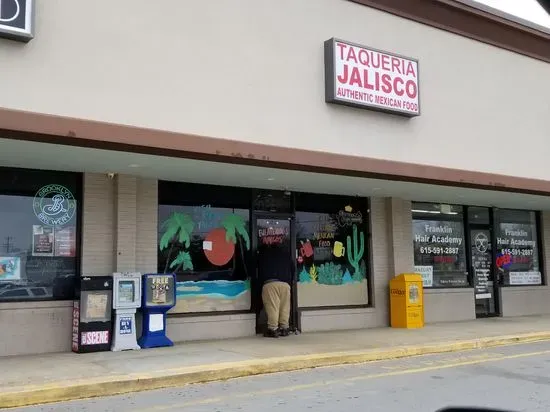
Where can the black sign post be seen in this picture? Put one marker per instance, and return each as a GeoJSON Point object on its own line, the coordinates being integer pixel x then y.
{"type": "Point", "coordinates": [17, 19]}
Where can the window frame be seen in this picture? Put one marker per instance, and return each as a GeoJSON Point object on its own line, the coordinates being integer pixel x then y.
{"type": "Point", "coordinates": [252, 193]}
{"type": "Point", "coordinates": [367, 225]}
{"type": "Point", "coordinates": [166, 197]}
{"type": "Point", "coordinates": [497, 220]}
{"type": "Point", "coordinates": [462, 219]}
{"type": "Point", "coordinates": [79, 197]}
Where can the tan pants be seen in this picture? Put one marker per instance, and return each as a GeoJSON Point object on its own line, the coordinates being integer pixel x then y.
{"type": "Point", "coordinates": [276, 299]}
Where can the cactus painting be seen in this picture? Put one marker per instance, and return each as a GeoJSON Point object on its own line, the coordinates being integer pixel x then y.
{"type": "Point", "coordinates": [354, 251]}
{"type": "Point", "coordinates": [336, 274]}
{"type": "Point", "coordinates": [347, 278]}
{"type": "Point", "coordinates": [304, 276]}
{"type": "Point", "coordinates": [330, 274]}
{"type": "Point", "coordinates": [308, 276]}
{"type": "Point", "coordinates": [362, 274]}
{"type": "Point", "coordinates": [313, 274]}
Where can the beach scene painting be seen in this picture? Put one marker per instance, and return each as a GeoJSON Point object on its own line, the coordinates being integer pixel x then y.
{"type": "Point", "coordinates": [212, 296]}
{"type": "Point", "coordinates": [206, 248]}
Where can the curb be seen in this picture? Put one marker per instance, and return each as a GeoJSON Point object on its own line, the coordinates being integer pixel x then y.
{"type": "Point", "coordinates": [116, 385]}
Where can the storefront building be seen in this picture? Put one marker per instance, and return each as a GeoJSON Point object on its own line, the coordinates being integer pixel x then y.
{"type": "Point", "coordinates": [365, 138]}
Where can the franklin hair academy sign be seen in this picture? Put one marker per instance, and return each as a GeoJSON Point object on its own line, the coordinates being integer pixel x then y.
{"type": "Point", "coordinates": [17, 19]}
{"type": "Point", "coordinates": [363, 77]}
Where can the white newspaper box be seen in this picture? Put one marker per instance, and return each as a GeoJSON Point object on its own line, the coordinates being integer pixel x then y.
{"type": "Point", "coordinates": [126, 299]}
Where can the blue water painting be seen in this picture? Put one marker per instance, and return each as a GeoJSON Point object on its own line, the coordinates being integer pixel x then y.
{"type": "Point", "coordinates": [221, 289]}
{"type": "Point", "coordinates": [347, 278]}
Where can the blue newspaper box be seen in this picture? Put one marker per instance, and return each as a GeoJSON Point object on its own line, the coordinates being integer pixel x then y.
{"type": "Point", "coordinates": [158, 297]}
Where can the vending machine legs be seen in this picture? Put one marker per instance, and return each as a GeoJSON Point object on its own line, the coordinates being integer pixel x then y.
{"type": "Point", "coordinates": [124, 336]}
{"type": "Point", "coordinates": [154, 330]}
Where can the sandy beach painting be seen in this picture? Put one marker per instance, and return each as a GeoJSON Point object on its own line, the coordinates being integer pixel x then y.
{"type": "Point", "coordinates": [316, 294]}
{"type": "Point", "coordinates": [212, 296]}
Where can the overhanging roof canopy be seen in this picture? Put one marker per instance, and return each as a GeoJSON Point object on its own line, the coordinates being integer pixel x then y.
{"type": "Point", "coordinates": [19, 153]}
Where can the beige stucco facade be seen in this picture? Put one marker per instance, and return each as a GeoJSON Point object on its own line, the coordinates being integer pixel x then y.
{"type": "Point", "coordinates": [138, 66]}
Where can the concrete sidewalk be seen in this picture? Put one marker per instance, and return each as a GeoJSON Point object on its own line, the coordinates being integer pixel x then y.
{"type": "Point", "coordinates": [30, 380]}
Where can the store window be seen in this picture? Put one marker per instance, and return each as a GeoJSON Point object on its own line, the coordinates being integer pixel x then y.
{"type": "Point", "coordinates": [331, 250]}
{"type": "Point", "coordinates": [479, 216]}
{"type": "Point", "coordinates": [204, 237]}
{"type": "Point", "coordinates": [518, 260]}
{"type": "Point", "coordinates": [39, 248]}
{"type": "Point", "coordinates": [439, 245]}
{"type": "Point", "coordinates": [272, 201]}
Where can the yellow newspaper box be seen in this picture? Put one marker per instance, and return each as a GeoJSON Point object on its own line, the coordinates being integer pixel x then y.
{"type": "Point", "coordinates": [407, 301]}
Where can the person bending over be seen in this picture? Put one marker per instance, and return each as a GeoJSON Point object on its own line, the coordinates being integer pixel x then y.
{"type": "Point", "coordinates": [275, 278]}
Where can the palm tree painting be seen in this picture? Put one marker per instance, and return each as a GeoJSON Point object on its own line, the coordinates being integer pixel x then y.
{"type": "Point", "coordinates": [177, 229]}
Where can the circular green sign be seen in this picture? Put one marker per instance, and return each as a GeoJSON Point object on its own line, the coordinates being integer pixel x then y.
{"type": "Point", "coordinates": [54, 205]}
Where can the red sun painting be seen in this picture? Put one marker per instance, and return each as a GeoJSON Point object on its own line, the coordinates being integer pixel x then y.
{"type": "Point", "coordinates": [217, 249]}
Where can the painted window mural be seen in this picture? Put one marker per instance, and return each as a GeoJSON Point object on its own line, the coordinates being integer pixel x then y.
{"type": "Point", "coordinates": [331, 251]}
{"type": "Point", "coordinates": [206, 243]}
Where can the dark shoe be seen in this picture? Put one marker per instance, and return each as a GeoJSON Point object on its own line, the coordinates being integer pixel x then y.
{"type": "Point", "coordinates": [269, 333]}
{"type": "Point", "coordinates": [284, 331]}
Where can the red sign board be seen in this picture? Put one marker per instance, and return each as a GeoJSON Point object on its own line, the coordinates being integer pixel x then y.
{"type": "Point", "coordinates": [364, 77]}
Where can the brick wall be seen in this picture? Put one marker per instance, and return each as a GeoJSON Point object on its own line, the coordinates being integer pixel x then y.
{"type": "Point", "coordinates": [98, 225]}
{"type": "Point", "coordinates": [147, 225]}
{"type": "Point", "coordinates": [392, 248]}
{"type": "Point", "coordinates": [119, 224]}
{"type": "Point", "coordinates": [382, 269]}
{"type": "Point", "coordinates": [126, 223]}
{"type": "Point", "coordinates": [399, 227]}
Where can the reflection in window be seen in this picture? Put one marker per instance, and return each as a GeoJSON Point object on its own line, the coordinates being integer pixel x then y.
{"type": "Point", "coordinates": [38, 291]}
{"type": "Point", "coordinates": [16, 293]}
{"type": "Point", "coordinates": [38, 240]}
{"type": "Point", "coordinates": [479, 215]}
{"type": "Point", "coordinates": [439, 246]}
{"type": "Point", "coordinates": [517, 248]}
{"type": "Point", "coordinates": [272, 201]}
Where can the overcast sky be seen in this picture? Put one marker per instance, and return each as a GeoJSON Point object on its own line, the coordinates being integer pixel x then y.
{"type": "Point", "coordinates": [526, 9]}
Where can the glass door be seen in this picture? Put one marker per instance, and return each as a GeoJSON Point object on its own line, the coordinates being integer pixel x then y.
{"type": "Point", "coordinates": [273, 240]}
{"type": "Point", "coordinates": [482, 271]}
